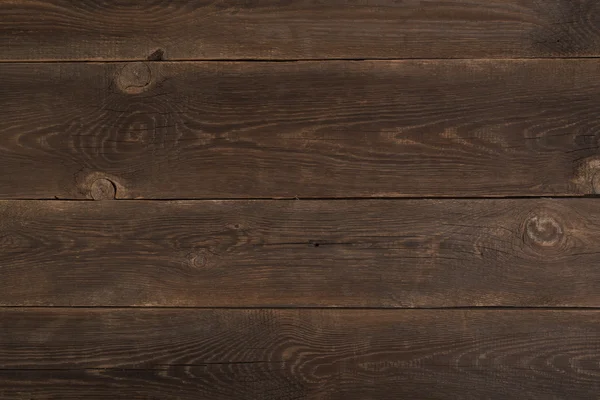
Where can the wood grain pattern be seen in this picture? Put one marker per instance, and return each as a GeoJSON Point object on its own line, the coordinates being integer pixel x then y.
{"type": "Point", "coordinates": [371, 253]}
{"type": "Point", "coordinates": [308, 282]}
{"type": "Point", "coordinates": [296, 29]}
{"type": "Point", "coordinates": [299, 354]}
{"type": "Point", "coordinates": [301, 129]}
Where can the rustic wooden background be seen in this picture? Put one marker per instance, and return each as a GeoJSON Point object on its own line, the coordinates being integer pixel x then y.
{"type": "Point", "coordinates": [299, 199]}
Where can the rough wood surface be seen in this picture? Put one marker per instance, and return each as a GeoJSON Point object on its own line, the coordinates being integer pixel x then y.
{"type": "Point", "coordinates": [302, 129]}
{"type": "Point", "coordinates": [309, 282]}
{"type": "Point", "coordinates": [298, 354]}
{"type": "Point", "coordinates": [371, 253]}
{"type": "Point", "coordinates": [296, 29]}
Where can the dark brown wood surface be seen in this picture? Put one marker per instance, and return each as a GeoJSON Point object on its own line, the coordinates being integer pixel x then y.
{"type": "Point", "coordinates": [49, 30]}
{"type": "Point", "coordinates": [301, 199]}
{"type": "Point", "coordinates": [304, 129]}
{"type": "Point", "coordinates": [299, 354]}
{"type": "Point", "coordinates": [359, 253]}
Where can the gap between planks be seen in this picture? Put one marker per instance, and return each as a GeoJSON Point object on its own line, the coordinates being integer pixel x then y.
{"type": "Point", "coordinates": [283, 60]}
{"type": "Point", "coordinates": [393, 198]}
{"type": "Point", "coordinates": [308, 308]}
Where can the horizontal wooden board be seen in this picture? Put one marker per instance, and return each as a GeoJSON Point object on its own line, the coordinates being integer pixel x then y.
{"type": "Point", "coordinates": [368, 253]}
{"type": "Point", "coordinates": [296, 29]}
{"type": "Point", "coordinates": [298, 354]}
{"type": "Point", "coordinates": [302, 129]}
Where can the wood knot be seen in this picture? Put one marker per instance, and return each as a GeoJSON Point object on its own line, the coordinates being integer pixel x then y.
{"type": "Point", "coordinates": [103, 189]}
{"type": "Point", "coordinates": [199, 260]}
{"type": "Point", "coordinates": [587, 176]}
{"type": "Point", "coordinates": [543, 230]}
{"type": "Point", "coordinates": [134, 78]}
{"type": "Point", "coordinates": [596, 183]}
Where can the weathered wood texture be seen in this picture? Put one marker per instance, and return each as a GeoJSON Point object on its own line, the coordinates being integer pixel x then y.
{"type": "Point", "coordinates": [299, 354]}
{"type": "Point", "coordinates": [371, 253]}
{"type": "Point", "coordinates": [296, 29]}
{"type": "Point", "coordinates": [306, 129]}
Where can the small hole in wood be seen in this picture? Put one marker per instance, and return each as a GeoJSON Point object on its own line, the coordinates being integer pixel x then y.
{"type": "Point", "coordinates": [157, 55]}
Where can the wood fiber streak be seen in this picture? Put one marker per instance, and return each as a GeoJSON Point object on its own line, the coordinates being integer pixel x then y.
{"type": "Point", "coordinates": [299, 354]}
{"type": "Point", "coordinates": [359, 253]}
{"type": "Point", "coordinates": [304, 129]}
{"type": "Point", "coordinates": [296, 29]}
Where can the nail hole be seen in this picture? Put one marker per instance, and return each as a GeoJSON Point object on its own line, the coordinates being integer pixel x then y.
{"type": "Point", "coordinates": [157, 55]}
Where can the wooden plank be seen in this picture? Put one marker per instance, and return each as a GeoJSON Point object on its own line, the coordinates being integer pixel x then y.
{"type": "Point", "coordinates": [299, 354]}
{"type": "Point", "coordinates": [372, 253]}
{"type": "Point", "coordinates": [296, 29]}
{"type": "Point", "coordinates": [303, 129]}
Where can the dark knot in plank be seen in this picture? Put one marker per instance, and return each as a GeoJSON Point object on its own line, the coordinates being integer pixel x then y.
{"type": "Point", "coordinates": [103, 189]}
{"type": "Point", "coordinates": [134, 78]}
